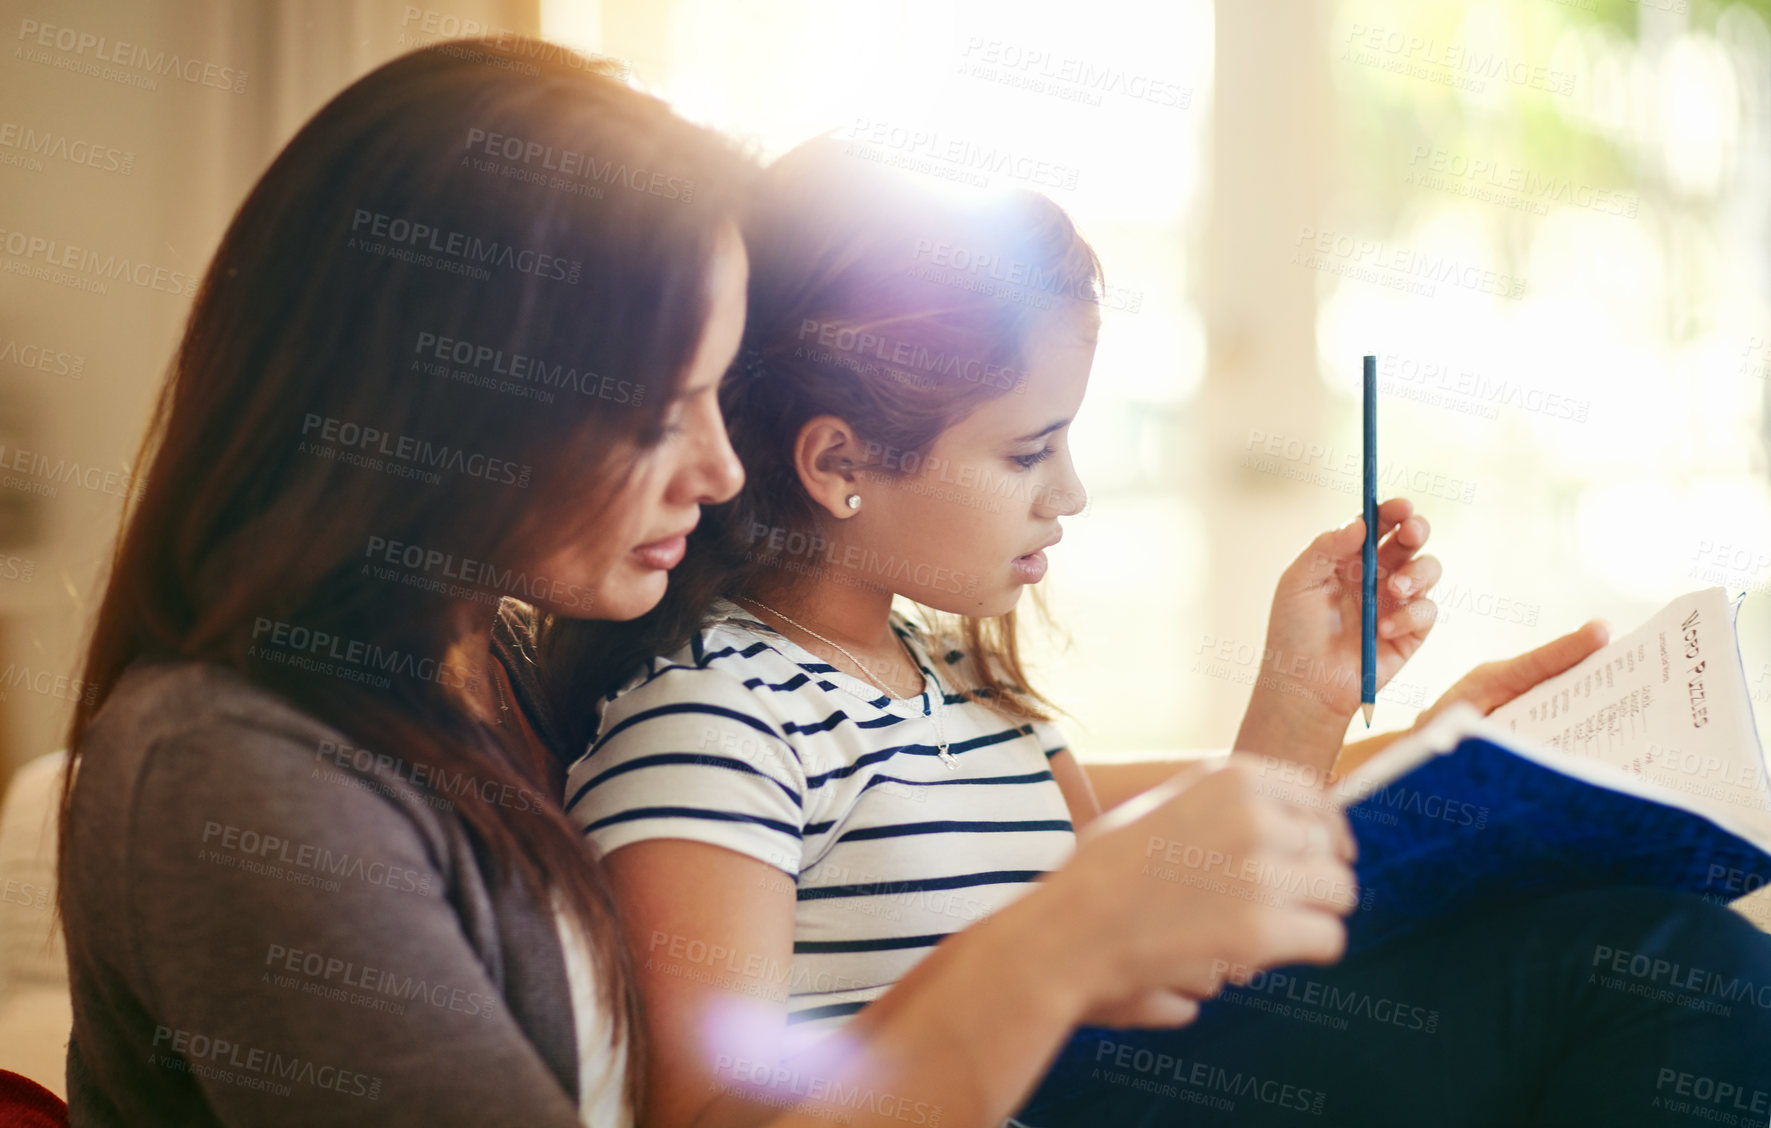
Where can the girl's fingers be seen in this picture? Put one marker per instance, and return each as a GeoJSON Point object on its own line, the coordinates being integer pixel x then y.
{"type": "Point", "coordinates": [1414, 578]}
{"type": "Point", "coordinates": [1414, 617]}
{"type": "Point", "coordinates": [1393, 511]}
{"type": "Point", "coordinates": [1313, 937]}
{"type": "Point", "coordinates": [1159, 1007]}
{"type": "Point", "coordinates": [1322, 828]}
{"type": "Point", "coordinates": [1496, 683]}
{"type": "Point", "coordinates": [1403, 543]}
{"type": "Point", "coordinates": [1400, 534]}
{"type": "Point", "coordinates": [1325, 557]}
{"type": "Point", "coordinates": [1329, 884]}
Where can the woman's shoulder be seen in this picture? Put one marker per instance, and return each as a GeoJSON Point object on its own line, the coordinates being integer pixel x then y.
{"type": "Point", "coordinates": [154, 702]}
{"type": "Point", "coordinates": [191, 775]}
{"type": "Point", "coordinates": [219, 834]}
{"type": "Point", "coordinates": [206, 742]}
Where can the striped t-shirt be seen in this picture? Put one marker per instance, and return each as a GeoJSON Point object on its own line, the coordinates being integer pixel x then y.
{"type": "Point", "coordinates": [744, 739]}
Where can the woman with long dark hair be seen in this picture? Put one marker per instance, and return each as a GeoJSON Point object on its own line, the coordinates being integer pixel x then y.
{"type": "Point", "coordinates": [461, 343]}
{"type": "Point", "coordinates": [396, 384]}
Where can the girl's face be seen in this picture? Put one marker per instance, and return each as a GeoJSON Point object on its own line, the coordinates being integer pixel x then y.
{"type": "Point", "coordinates": [623, 575]}
{"type": "Point", "coordinates": [963, 532]}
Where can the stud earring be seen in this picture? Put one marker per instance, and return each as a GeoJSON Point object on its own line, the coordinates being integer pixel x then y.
{"type": "Point", "coordinates": [854, 501]}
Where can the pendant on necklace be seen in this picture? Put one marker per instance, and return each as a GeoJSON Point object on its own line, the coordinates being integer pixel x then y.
{"type": "Point", "coordinates": [947, 758]}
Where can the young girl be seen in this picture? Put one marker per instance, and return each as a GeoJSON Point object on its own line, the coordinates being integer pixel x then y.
{"type": "Point", "coordinates": [801, 793]}
{"type": "Point", "coordinates": [313, 868]}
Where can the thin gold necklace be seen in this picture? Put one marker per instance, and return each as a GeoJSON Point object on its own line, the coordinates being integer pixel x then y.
{"type": "Point", "coordinates": [937, 706]}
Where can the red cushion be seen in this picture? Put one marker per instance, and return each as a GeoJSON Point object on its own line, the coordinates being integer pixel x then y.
{"type": "Point", "coordinates": [26, 1104]}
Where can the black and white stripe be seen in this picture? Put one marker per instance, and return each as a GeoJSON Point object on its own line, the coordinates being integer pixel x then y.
{"type": "Point", "coordinates": [745, 740]}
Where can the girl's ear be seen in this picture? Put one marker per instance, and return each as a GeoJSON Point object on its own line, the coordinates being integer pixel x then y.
{"type": "Point", "coordinates": [827, 458]}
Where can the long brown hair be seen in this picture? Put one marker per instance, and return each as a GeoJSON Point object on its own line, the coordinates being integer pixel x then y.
{"type": "Point", "coordinates": [842, 248]}
{"type": "Point", "coordinates": [494, 260]}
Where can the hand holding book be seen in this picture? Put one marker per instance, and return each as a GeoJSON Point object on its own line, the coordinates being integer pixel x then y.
{"type": "Point", "coordinates": [1488, 687]}
{"type": "Point", "coordinates": [1639, 766]}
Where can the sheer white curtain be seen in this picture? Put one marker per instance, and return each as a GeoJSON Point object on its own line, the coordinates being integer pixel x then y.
{"type": "Point", "coordinates": [133, 129]}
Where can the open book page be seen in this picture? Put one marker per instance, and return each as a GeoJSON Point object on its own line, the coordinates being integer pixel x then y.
{"type": "Point", "coordinates": [1382, 775]}
{"type": "Point", "coordinates": [1667, 702]}
{"type": "Point", "coordinates": [1547, 795]}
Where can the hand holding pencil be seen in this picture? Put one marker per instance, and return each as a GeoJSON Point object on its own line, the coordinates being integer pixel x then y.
{"type": "Point", "coordinates": [1309, 682]}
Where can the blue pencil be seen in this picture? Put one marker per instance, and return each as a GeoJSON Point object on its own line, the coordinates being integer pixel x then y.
{"type": "Point", "coordinates": [1368, 558]}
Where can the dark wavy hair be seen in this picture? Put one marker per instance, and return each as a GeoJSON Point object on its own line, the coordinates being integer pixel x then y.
{"type": "Point", "coordinates": [846, 245]}
{"type": "Point", "coordinates": [488, 194]}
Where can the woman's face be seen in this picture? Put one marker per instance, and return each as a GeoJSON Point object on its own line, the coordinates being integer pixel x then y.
{"type": "Point", "coordinates": [964, 531]}
{"type": "Point", "coordinates": [643, 537]}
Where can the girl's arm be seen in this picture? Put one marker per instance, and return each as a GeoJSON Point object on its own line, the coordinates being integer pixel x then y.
{"type": "Point", "coordinates": [711, 933]}
{"type": "Point", "coordinates": [1081, 788]}
{"type": "Point", "coordinates": [962, 1039]}
{"type": "Point", "coordinates": [958, 1041]}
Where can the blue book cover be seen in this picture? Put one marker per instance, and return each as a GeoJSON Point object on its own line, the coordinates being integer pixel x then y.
{"type": "Point", "coordinates": [1640, 766]}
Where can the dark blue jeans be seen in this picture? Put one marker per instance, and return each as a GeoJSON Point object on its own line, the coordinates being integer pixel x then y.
{"type": "Point", "coordinates": [1618, 1007]}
